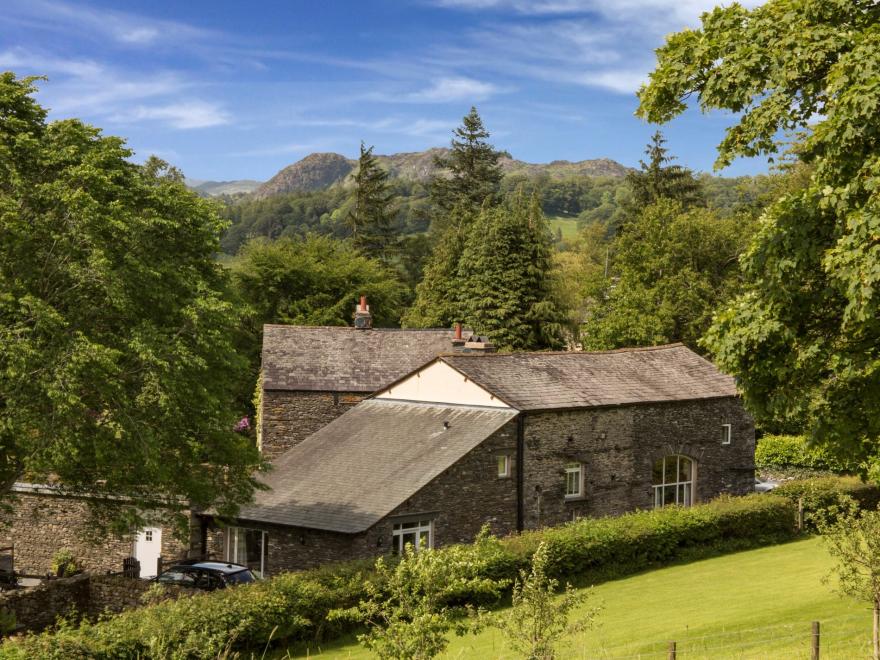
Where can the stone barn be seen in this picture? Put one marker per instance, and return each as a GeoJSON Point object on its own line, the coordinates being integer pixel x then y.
{"type": "Point", "coordinates": [518, 441]}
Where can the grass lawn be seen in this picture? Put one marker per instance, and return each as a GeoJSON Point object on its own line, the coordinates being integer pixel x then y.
{"type": "Point", "coordinates": [568, 226]}
{"type": "Point", "coordinates": [754, 604]}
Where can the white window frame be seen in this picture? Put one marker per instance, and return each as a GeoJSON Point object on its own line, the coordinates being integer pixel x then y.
{"type": "Point", "coordinates": [688, 485]}
{"type": "Point", "coordinates": [576, 469]}
{"type": "Point", "coordinates": [231, 547]}
{"type": "Point", "coordinates": [726, 434]}
{"type": "Point", "coordinates": [405, 528]}
{"type": "Point", "coordinates": [503, 468]}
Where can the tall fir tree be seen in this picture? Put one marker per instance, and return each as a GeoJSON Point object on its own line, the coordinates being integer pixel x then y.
{"type": "Point", "coordinates": [474, 174]}
{"type": "Point", "coordinates": [437, 303]}
{"type": "Point", "coordinates": [660, 179]}
{"type": "Point", "coordinates": [371, 218]}
{"type": "Point", "coordinates": [505, 278]}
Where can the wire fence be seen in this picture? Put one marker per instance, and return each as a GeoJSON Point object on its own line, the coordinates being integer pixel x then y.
{"type": "Point", "coordinates": [834, 638]}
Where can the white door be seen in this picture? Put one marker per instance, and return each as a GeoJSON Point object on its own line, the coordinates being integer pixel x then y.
{"type": "Point", "coordinates": [147, 549]}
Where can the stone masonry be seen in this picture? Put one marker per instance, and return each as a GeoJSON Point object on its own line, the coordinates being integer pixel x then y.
{"type": "Point", "coordinates": [289, 417]}
{"type": "Point", "coordinates": [39, 525]}
{"type": "Point", "coordinates": [618, 447]}
{"type": "Point", "coordinates": [459, 501]}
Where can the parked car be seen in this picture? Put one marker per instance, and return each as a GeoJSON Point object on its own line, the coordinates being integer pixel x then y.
{"type": "Point", "coordinates": [764, 486]}
{"type": "Point", "coordinates": [206, 575]}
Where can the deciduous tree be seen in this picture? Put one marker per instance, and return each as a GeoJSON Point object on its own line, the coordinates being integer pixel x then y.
{"type": "Point", "coordinates": [803, 340]}
{"type": "Point", "coordinates": [117, 369]}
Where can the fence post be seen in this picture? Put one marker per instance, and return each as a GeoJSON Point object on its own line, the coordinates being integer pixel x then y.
{"type": "Point", "coordinates": [672, 652]}
{"type": "Point", "coordinates": [814, 642]}
{"type": "Point", "coordinates": [800, 521]}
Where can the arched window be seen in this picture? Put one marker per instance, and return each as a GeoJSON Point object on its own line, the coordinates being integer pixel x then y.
{"type": "Point", "coordinates": [673, 481]}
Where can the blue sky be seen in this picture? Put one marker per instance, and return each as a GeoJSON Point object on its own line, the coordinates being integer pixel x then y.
{"type": "Point", "coordinates": [240, 89]}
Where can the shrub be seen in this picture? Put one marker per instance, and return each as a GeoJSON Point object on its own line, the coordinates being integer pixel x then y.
{"type": "Point", "coordinates": [825, 499]}
{"type": "Point", "coordinates": [781, 452]}
{"type": "Point", "coordinates": [295, 606]}
{"type": "Point", "coordinates": [64, 564]}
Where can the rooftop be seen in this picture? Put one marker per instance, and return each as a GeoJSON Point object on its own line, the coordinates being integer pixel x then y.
{"type": "Point", "coordinates": [345, 359]}
{"type": "Point", "coordinates": [364, 464]}
{"type": "Point", "coordinates": [547, 381]}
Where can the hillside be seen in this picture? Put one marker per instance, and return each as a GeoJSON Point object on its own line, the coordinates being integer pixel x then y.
{"type": "Point", "coordinates": [322, 170]}
{"type": "Point", "coordinates": [215, 188]}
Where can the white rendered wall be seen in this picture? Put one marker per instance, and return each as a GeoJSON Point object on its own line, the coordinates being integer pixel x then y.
{"type": "Point", "coordinates": [440, 383]}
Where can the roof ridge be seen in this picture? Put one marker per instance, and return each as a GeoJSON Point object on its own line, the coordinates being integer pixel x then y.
{"type": "Point", "coordinates": [634, 349]}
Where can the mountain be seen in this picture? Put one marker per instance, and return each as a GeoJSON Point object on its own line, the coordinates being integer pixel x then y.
{"type": "Point", "coordinates": [214, 188]}
{"type": "Point", "coordinates": [323, 170]}
{"type": "Point", "coordinates": [314, 172]}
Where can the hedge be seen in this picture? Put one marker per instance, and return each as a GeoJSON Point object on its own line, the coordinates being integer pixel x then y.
{"type": "Point", "coordinates": [781, 452]}
{"type": "Point", "coordinates": [294, 606]}
{"type": "Point", "coordinates": [822, 497]}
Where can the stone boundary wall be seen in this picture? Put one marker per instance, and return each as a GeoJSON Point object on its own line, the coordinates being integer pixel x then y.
{"type": "Point", "coordinates": [84, 595]}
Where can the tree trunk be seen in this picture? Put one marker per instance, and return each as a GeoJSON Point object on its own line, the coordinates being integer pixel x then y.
{"type": "Point", "coordinates": [876, 629]}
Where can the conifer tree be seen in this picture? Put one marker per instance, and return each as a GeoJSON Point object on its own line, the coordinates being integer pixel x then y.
{"type": "Point", "coordinates": [504, 274]}
{"type": "Point", "coordinates": [473, 171]}
{"type": "Point", "coordinates": [371, 216]}
{"type": "Point", "coordinates": [437, 295]}
{"type": "Point", "coordinates": [658, 179]}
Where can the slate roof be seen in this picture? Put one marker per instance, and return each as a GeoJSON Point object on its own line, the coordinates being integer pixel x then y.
{"type": "Point", "coordinates": [547, 381]}
{"type": "Point", "coordinates": [364, 464]}
{"type": "Point", "coordinates": [344, 359]}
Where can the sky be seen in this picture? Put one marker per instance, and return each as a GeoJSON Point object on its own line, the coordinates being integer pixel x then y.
{"type": "Point", "coordinates": [238, 90]}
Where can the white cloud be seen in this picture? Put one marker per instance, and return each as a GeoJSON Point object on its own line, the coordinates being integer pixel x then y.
{"type": "Point", "coordinates": [184, 115]}
{"type": "Point", "coordinates": [448, 90]}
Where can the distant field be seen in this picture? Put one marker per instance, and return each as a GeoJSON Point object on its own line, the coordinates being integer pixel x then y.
{"type": "Point", "coordinates": [567, 225]}
{"type": "Point", "coordinates": [749, 605]}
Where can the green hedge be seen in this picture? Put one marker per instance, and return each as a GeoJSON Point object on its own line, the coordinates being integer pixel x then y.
{"type": "Point", "coordinates": [295, 605]}
{"type": "Point", "coordinates": [822, 497]}
{"type": "Point", "coordinates": [781, 452]}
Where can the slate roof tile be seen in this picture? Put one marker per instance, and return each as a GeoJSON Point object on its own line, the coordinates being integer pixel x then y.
{"type": "Point", "coordinates": [548, 381]}
{"type": "Point", "coordinates": [345, 359]}
{"type": "Point", "coordinates": [367, 462]}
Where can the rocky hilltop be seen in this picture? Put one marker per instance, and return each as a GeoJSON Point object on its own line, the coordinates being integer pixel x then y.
{"type": "Point", "coordinates": [322, 170]}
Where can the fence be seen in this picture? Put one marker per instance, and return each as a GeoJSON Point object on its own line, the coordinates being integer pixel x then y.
{"type": "Point", "coordinates": [840, 638]}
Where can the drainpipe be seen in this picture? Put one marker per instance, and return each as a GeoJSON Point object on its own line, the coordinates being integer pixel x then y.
{"type": "Point", "coordinates": [520, 468]}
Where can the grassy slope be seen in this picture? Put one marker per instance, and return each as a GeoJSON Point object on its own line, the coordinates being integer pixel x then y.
{"type": "Point", "coordinates": [568, 225]}
{"type": "Point", "coordinates": [755, 604]}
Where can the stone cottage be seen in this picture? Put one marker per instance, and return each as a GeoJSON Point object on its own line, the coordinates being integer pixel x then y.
{"type": "Point", "coordinates": [519, 441]}
{"type": "Point", "coordinates": [311, 375]}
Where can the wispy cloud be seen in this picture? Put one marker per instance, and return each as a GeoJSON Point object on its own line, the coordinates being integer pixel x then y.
{"type": "Point", "coordinates": [121, 27]}
{"type": "Point", "coordinates": [190, 114]}
{"type": "Point", "coordinates": [453, 90]}
{"type": "Point", "coordinates": [280, 150]}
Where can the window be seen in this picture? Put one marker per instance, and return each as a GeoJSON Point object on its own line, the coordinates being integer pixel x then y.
{"type": "Point", "coordinates": [503, 466]}
{"type": "Point", "coordinates": [248, 547]}
{"type": "Point", "coordinates": [419, 534]}
{"type": "Point", "coordinates": [673, 481]}
{"type": "Point", "coordinates": [573, 480]}
{"type": "Point", "coordinates": [725, 434]}
{"type": "Point", "coordinates": [148, 535]}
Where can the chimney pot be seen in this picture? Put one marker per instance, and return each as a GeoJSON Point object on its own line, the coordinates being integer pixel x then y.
{"type": "Point", "coordinates": [363, 320]}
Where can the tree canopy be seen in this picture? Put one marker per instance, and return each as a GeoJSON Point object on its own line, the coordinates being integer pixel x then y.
{"type": "Point", "coordinates": [371, 216]}
{"type": "Point", "coordinates": [117, 369]}
{"type": "Point", "coordinates": [804, 339]}
{"type": "Point", "coordinates": [660, 179]}
{"type": "Point", "coordinates": [470, 173]}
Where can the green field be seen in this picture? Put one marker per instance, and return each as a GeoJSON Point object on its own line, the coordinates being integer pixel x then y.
{"type": "Point", "coordinates": [569, 227]}
{"type": "Point", "coordinates": [755, 604]}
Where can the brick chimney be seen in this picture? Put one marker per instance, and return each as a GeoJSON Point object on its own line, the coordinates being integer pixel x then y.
{"type": "Point", "coordinates": [477, 344]}
{"type": "Point", "coordinates": [458, 341]}
{"type": "Point", "coordinates": [363, 320]}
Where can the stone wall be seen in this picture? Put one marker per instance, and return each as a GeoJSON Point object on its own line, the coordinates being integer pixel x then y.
{"type": "Point", "coordinates": [287, 418]}
{"type": "Point", "coordinates": [85, 595]}
{"type": "Point", "coordinates": [39, 525]}
{"type": "Point", "coordinates": [460, 501]}
{"type": "Point", "coordinates": [618, 447]}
